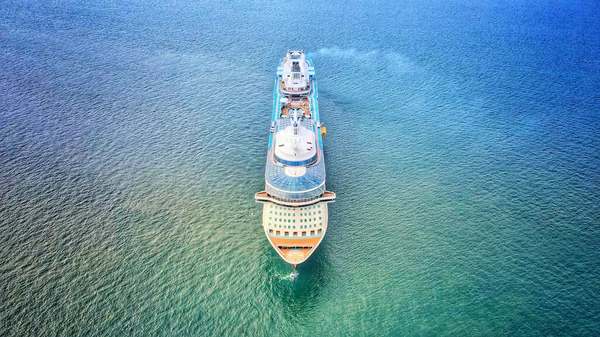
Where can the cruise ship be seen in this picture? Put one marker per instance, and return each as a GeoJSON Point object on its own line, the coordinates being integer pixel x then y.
{"type": "Point", "coordinates": [295, 199]}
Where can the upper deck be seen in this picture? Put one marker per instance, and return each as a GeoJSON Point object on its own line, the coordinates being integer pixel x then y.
{"type": "Point", "coordinates": [295, 168]}
{"type": "Point", "coordinates": [295, 74]}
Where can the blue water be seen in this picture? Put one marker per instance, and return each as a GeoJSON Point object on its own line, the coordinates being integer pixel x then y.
{"type": "Point", "coordinates": [464, 148]}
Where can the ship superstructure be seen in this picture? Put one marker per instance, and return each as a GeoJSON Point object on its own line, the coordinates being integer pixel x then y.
{"type": "Point", "coordinates": [295, 199]}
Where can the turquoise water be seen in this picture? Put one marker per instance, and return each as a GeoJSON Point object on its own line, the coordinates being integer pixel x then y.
{"type": "Point", "coordinates": [464, 148]}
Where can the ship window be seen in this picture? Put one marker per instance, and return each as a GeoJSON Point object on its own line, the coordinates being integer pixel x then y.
{"type": "Point", "coordinates": [320, 218]}
{"type": "Point", "coordinates": [278, 232]}
{"type": "Point", "coordinates": [303, 233]}
{"type": "Point", "coordinates": [319, 231]}
{"type": "Point", "coordinates": [312, 232]}
{"type": "Point", "coordinates": [294, 227]}
{"type": "Point", "coordinates": [270, 231]}
{"type": "Point", "coordinates": [319, 206]}
{"type": "Point", "coordinates": [295, 233]}
{"type": "Point", "coordinates": [294, 220]}
{"type": "Point", "coordinates": [319, 212]}
{"type": "Point", "coordinates": [286, 233]}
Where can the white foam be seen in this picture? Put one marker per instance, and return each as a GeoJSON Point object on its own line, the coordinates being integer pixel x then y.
{"type": "Point", "coordinates": [393, 60]}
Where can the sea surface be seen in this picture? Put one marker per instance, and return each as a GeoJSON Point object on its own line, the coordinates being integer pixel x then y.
{"type": "Point", "coordinates": [463, 145]}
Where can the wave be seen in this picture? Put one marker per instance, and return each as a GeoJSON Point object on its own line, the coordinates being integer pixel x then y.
{"type": "Point", "coordinates": [390, 59]}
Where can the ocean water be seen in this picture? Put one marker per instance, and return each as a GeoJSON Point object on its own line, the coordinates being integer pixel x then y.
{"type": "Point", "coordinates": [464, 147]}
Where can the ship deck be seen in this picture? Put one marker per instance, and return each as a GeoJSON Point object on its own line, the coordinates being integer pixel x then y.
{"type": "Point", "coordinates": [303, 104]}
{"type": "Point", "coordinates": [295, 200]}
{"type": "Point", "coordinates": [293, 92]}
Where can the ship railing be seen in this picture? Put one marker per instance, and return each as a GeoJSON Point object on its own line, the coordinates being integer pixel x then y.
{"type": "Point", "coordinates": [263, 196]}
